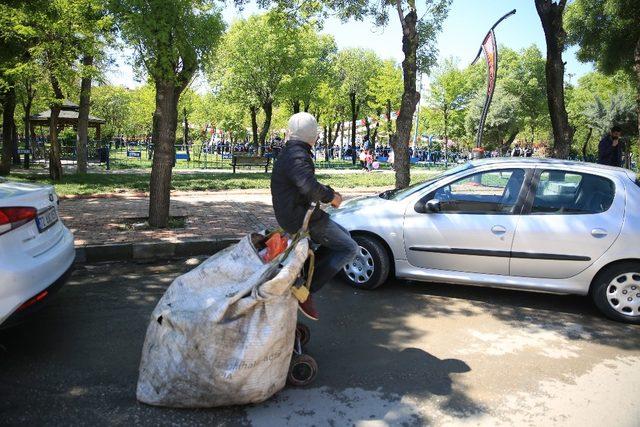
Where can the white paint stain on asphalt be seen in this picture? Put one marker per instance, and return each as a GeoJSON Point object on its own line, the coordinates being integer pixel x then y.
{"type": "Point", "coordinates": [605, 395]}
{"type": "Point", "coordinates": [548, 343]}
{"type": "Point", "coordinates": [326, 407]}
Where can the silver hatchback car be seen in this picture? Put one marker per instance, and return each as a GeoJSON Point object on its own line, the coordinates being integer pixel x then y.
{"type": "Point", "coordinates": [532, 224]}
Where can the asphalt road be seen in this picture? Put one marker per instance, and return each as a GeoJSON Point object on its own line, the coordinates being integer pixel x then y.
{"type": "Point", "coordinates": [406, 354]}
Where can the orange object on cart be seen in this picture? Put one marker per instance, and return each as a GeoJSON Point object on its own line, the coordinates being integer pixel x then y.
{"type": "Point", "coordinates": [276, 244]}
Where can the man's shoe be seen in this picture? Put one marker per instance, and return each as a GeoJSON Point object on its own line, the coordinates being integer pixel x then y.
{"type": "Point", "coordinates": [308, 309]}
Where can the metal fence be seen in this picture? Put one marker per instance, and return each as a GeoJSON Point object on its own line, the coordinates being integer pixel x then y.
{"type": "Point", "coordinates": [119, 154]}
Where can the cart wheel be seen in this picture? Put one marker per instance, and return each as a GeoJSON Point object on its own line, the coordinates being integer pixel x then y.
{"type": "Point", "coordinates": [303, 333]}
{"type": "Point", "coordinates": [302, 371]}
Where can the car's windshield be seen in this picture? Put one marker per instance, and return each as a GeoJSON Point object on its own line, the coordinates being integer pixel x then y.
{"type": "Point", "coordinates": [396, 194]}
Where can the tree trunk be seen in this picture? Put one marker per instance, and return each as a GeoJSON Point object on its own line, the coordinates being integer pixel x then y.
{"type": "Point", "coordinates": [254, 125]}
{"type": "Point", "coordinates": [389, 128]}
{"type": "Point", "coordinates": [584, 146]}
{"type": "Point", "coordinates": [374, 137]}
{"type": "Point", "coordinates": [354, 117]}
{"type": "Point", "coordinates": [533, 134]}
{"type": "Point", "coordinates": [306, 106]}
{"type": "Point", "coordinates": [341, 140]}
{"type": "Point", "coordinates": [26, 106]}
{"type": "Point", "coordinates": [83, 116]}
{"type": "Point", "coordinates": [55, 164]}
{"type": "Point", "coordinates": [185, 131]}
{"type": "Point", "coordinates": [267, 107]}
{"type": "Point", "coordinates": [410, 98]}
{"type": "Point", "coordinates": [335, 135]}
{"type": "Point", "coordinates": [551, 18]}
{"type": "Point", "coordinates": [326, 137]}
{"type": "Point", "coordinates": [367, 126]}
{"type": "Point", "coordinates": [636, 66]}
{"type": "Point", "coordinates": [164, 138]}
{"type": "Point", "coordinates": [446, 137]}
{"type": "Point", "coordinates": [8, 123]}
{"type": "Point", "coordinates": [14, 145]}
{"type": "Point", "coordinates": [295, 106]}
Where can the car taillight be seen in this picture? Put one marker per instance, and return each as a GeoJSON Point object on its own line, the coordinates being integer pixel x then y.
{"type": "Point", "coordinates": [14, 217]}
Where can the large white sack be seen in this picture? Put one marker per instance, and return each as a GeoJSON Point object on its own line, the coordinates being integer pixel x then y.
{"type": "Point", "coordinates": [223, 333]}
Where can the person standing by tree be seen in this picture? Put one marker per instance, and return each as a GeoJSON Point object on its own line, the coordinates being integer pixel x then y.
{"type": "Point", "coordinates": [610, 148]}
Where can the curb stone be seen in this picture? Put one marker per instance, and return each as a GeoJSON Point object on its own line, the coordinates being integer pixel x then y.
{"type": "Point", "coordinates": [146, 251]}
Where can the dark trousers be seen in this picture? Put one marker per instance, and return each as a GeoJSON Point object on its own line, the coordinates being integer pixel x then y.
{"type": "Point", "coordinates": [337, 249]}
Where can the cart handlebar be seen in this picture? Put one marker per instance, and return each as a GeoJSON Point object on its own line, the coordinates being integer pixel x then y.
{"type": "Point", "coordinates": [307, 216]}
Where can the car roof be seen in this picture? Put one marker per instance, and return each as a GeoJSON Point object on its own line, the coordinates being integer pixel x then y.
{"type": "Point", "coordinates": [542, 162]}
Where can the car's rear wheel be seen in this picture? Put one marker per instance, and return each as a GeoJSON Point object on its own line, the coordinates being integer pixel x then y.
{"type": "Point", "coordinates": [371, 266]}
{"type": "Point", "coordinates": [616, 292]}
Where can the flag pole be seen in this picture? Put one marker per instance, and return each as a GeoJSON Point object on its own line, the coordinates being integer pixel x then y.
{"type": "Point", "coordinates": [491, 53]}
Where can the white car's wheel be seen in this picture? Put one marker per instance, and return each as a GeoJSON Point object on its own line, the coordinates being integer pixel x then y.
{"type": "Point", "coordinates": [370, 268]}
{"type": "Point", "coordinates": [616, 292]}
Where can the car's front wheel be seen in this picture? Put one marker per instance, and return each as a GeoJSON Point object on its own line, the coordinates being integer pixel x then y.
{"type": "Point", "coordinates": [616, 292]}
{"type": "Point", "coordinates": [371, 266]}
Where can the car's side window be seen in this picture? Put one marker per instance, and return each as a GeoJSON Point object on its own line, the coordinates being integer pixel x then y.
{"type": "Point", "coordinates": [562, 193]}
{"type": "Point", "coordinates": [482, 193]}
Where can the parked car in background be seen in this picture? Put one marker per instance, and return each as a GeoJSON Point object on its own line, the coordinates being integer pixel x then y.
{"type": "Point", "coordinates": [532, 224]}
{"type": "Point", "coordinates": [36, 249]}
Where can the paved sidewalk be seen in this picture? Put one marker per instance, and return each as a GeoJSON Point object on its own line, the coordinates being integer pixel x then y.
{"type": "Point", "coordinates": [208, 215]}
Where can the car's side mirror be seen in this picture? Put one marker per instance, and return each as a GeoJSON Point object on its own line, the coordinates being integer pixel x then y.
{"type": "Point", "coordinates": [433, 205]}
{"type": "Point", "coordinates": [420, 207]}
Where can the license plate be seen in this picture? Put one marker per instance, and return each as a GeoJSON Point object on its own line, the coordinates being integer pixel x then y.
{"type": "Point", "coordinates": [46, 219]}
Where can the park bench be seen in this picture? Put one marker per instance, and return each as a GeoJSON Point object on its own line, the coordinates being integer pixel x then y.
{"type": "Point", "coordinates": [248, 161]}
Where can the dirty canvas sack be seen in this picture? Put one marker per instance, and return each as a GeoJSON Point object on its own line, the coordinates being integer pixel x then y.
{"type": "Point", "coordinates": [223, 333]}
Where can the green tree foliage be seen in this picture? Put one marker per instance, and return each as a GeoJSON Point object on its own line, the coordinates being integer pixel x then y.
{"type": "Point", "coordinates": [355, 69]}
{"type": "Point", "coordinates": [522, 75]}
{"type": "Point", "coordinates": [16, 36]}
{"type": "Point", "coordinates": [114, 105]}
{"type": "Point", "coordinates": [503, 122]}
{"type": "Point", "coordinates": [385, 89]}
{"type": "Point", "coordinates": [419, 35]}
{"type": "Point", "coordinates": [253, 60]}
{"type": "Point", "coordinates": [451, 91]}
{"type": "Point", "coordinates": [608, 33]}
{"type": "Point", "coordinates": [171, 38]}
{"type": "Point", "coordinates": [315, 60]}
{"type": "Point", "coordinates": [596, 104]}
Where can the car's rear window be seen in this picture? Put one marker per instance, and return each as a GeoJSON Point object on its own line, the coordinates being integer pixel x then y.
{"type": "Point", "coordinates": [562, 192]}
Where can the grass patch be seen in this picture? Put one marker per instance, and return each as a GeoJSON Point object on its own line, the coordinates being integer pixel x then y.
{"type": "Point", "coordinates": [99, 183]}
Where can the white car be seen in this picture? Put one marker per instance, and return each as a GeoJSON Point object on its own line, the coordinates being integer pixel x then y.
{"type": "Point", "coordinates": [36, 249]}
{"type": "Point", "coordinates": [531, 224]}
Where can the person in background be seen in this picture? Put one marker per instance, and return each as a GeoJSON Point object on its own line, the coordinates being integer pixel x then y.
{"type": "Point", "coordinates": [368, 160]}
{"type": "Point", "coordinates": [610, 148]}
{"type": "Point", "coordinates": [362, 157]}
{"type": "Point", "coordinates": [528, 152]}
{"type": "Point", "coordinates": [293, 188]}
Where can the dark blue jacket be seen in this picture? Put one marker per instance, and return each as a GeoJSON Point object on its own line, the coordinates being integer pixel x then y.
{"type": "Point", "coordinates": [294, 186]}
{"type": "Point", "coordinates": [608, 154]}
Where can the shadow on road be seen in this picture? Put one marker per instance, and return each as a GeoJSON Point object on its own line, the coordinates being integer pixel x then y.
{"type": "Point", "coordinates": [572, 316]}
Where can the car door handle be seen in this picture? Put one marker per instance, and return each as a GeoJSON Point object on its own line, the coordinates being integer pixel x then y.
{"type": "Point", "coordinates": [599, 233]}
{"type": "Point", "coordinates": [498, 230]}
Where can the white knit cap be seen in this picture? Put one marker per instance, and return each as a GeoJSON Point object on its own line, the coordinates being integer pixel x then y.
{"type": "Point", "coordinates": [303, 127]}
